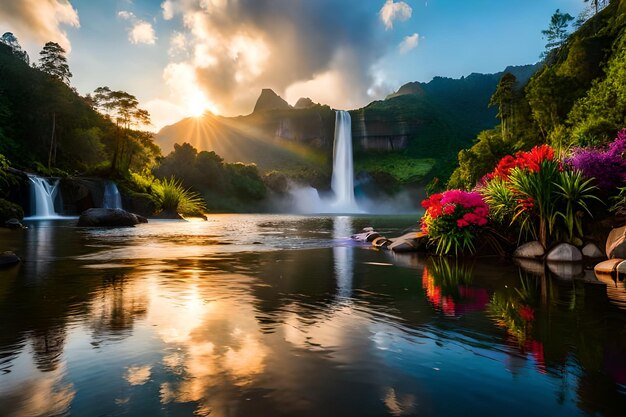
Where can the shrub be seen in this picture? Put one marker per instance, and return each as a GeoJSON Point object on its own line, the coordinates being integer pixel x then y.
{"type": "Point", "coordinates": [607, 165]}
{"type": "Point", "coordinates": [453, 219]}
{"type": "Point", "coordinates": [9, 210]}
{"type": "Point", "coordinates": [174, 198]}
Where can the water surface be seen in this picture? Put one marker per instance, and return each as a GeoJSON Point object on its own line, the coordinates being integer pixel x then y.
{"type": "Point", "coordinates": [267, 315]}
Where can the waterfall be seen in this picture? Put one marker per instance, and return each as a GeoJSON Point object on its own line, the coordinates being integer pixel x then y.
{"type": "Point", "coordinates": [112, 198]}
{"type": "Point", "coordinates": [44, 194]}
{"type": "Point", "coordinates": [342, 182]}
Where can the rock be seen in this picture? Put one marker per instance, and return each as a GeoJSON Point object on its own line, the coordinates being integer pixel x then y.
{"type": "Point", "coordinates": [8, 259]}
{"type": "Point", "coordinates": [529, 250]}
{"type": "Point", "coordinates": [616, 243]}
{"type": "Point", "coordinates": [621, 269]}
{"type": "Point", "coordinates": [368, 229]}
{"type": "Point", "coordinates": [103, 217]}
{"type": "Point", "coordinates": [13, 224]}
{"type": "Point", "coordinates": [371, 236]}
{"type": "Point", "coordinates": [564, 252]}
{"type": "Point", "coordinates": [607, 267]}
{"type": "Point", "coordinates": [381, 242]}
{"type": "Point", "coordinates": [591, 250]}
{"type": "Point", "coordinates": [566, 270]}
{"type": "Point", "coordinates": [402, 246]}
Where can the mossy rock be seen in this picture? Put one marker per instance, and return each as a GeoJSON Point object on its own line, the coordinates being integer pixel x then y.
{"type": "Point", "coordinates": [10, 210]}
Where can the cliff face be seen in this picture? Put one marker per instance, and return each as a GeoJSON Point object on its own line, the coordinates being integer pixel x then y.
{"type": "Point", "coordinates": [421, 120]}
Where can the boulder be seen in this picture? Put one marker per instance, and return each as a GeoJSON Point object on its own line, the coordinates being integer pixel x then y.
{"type": "Point", "coordinates": [616, 243]}
{"type": "Point", "coordinates": [621, 269]}
{"type": "Point", "coordinates": [564, 252]}
{"type": "Point", "coordinates": [104, 217]}
{"type": "Point", "coordinates": [8, 259]}
{"type": "Point", "coordinates": [591, 250]}
{"type": "Point", "coordinates": [529, 250]}
{"type": "Point", "coordinates": [13, 224]}
{"type": "Point", "coordinates": [371, 236]}
{"type": "Point", "coordinates": [410, 242]}
{"type": "Point", "coordinates": [607, 267]}
{"type": "Point", "coordinates": [402, 246]}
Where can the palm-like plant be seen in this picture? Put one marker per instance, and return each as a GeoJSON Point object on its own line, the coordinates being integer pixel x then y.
{"type": "Point", "coordinates": [574, 191]}
{"type": "Point", "coordinates": [173, 197]}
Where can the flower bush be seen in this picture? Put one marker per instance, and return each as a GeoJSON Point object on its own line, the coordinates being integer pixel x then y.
{"type": "Point", "coordinates": [542, 197]}
{"type": "Point", "coordinates": [607, 166]}
{"type": "Point", "coordinates": [453, 219]}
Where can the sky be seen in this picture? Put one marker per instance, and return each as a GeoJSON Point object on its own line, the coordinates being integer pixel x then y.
{"type": "Point", "coordinates": [183, 57]}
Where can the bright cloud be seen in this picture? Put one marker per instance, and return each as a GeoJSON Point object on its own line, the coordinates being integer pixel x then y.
{"type": "Point", "coordinates": [392, 11]}
{"type": "Point", "coordinates": [36, 22]}
{"type": "Point", "coordinates": [230, 50]}
{"type": "Point", "coordinates": [140, 31]}
{"type": "Point", "coordinates": [409, 42]}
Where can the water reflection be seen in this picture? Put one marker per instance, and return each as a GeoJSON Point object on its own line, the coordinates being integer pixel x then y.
{"type": "Point", "coordinates": [343, 255]}
{"type": "Point", "coordinates": [340, 330]}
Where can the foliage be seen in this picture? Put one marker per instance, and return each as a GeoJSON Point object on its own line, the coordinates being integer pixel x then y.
{"type": "Point", "coordinates": [11, 41]}
{"type": "Point", "coordinates": [236, 187]}
{"type": "Point", "coordinates": [453, 219]}
{"type": "Point", "coordinates": [573, 191]}
{"type": "Point", "coordinates": [173, 197]}
{"type": "Point", "coordinates": [52, 61]}
{"type": "Point", "coordinates": [501, 200]}
{"type": "Point", "coordinates": [9, 210]}
{"type": "Point", "coordinates": [404, 169]}
{"type": "Point", "coordinates": [531, 160]}
{"type": "Point", "coordinates": [606, 165]}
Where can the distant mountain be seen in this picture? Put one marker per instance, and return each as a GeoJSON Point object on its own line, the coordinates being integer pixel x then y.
{"type": "Point", "coordinates": [431, 121]}
{"type": "Point", "coordinates": [269, 100]}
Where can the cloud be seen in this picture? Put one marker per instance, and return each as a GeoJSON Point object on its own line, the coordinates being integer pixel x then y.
{"type": "Point", "coordinates": [39, 21]}
{"type": "Point", "coordinates": [409, 42]}
{"type": "Point", "coordinates": [236, 48]}
{"type": "Point", "coordinates": [140, 31]}
{"type": "Point", "coordinates": [394, 11]}
{"type": "Point", "coordinates": [168, 9]}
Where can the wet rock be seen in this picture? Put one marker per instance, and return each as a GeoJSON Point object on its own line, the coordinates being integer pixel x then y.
{"type": "Point", "coordinates": [381, 242]}
{"type": "Point", "coordinates": [564, 252]}
{"type": "Point", "coordinates": [621, 269]}
{"type": "Point", "coordinates": [371, 236]}
{"type": "Point", "coordinates": [13, 224]}
{"type": "Point", "coordinates": [8, 259]}
{"type": "Point", "coordinates": [367, 235]}
{"type": "Point", "coordinates": [591, 250]}
{"type": "Point", "coordinates": [410, 242]}
{"type": "Point", "coordinates": [104, 217]}
{"type": "Point", "coordinates": [616, 243]}
{"type": "Point", "coordinates": [607, 267]}
{"type": "Point", "coordinates": [529, 250]}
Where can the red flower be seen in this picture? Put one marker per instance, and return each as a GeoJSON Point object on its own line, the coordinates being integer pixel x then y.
{"type": "Point", "coordinates": [449, 209]}
{"type": "Point", "coordinates": [527, 313]}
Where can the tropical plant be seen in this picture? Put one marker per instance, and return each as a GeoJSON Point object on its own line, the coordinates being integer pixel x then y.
{"type": "Point", "coordinates": [453, 219]}
{"type": "Point", "coordinates": [174, 198]}
{"type": "Point", "coordinates": [574, 190]}
{"type": "Point", "coordinates": [501, 200]}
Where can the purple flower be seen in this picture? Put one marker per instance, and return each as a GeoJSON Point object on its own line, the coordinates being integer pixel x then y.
{"type": "Point", "coordinates": [607, 166]}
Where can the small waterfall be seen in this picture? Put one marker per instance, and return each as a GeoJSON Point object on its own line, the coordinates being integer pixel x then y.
{"type": "Point", "coordinates": [44, 193]}
{"type": "Point", "coordinates": [342, 182]}
{"type": "Point", "coordinates": [112, 198]}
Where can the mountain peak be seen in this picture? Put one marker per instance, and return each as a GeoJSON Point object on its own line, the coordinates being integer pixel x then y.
{"type": "Point", "coordinates": [269, 100]}
{"type": "Point", "coordinates": [304, 103]}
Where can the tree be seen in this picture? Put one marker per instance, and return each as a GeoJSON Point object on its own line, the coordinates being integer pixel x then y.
{"type": "Point", "coordinates": [597, 4]}
{"type": "Point", "coordinates": [503, 98]}
{"type": "Point", "coordinates": [11, 41]}
{"type": "Point", "coordinates": [123, 108]}
{"type": "Point", "coordinates": [557, 32]}
{"type": "Point", "coordinates": [52, 61]}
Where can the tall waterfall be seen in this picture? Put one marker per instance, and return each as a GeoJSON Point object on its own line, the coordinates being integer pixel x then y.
{"type": "Point", "coordinates": [342, 182]}
{"type": "Point", "coordinates": [112, 198]}
{"type": "Point", "coordinates": [44, 194]}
